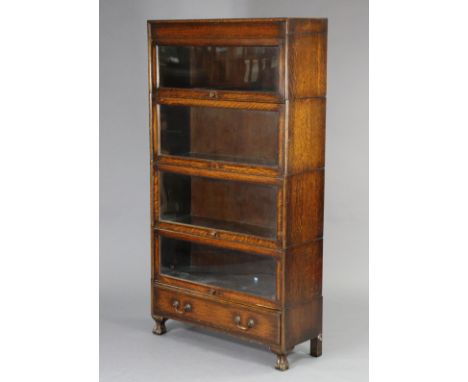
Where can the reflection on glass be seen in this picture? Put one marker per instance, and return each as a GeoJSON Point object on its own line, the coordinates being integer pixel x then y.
{"type": "Point", "coordinates": [240, 207]}
{"type": "Point", "coordinates": [230, 68]}
{"type": "Point", "coordinates": [232, 135]}
{"type": "Point", "coordinates": [225, 268]}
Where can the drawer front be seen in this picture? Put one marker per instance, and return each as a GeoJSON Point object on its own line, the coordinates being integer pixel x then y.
{"type": "Point", "coordinates": [235, 319]}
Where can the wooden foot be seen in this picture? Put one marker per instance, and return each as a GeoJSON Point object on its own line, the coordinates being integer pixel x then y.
{"type": "Point", "coordinates": [282, 362]}
{"type": "Point", "coordinates": [316, 346]}
{"type": "Point", "coordinates": [160, 326]}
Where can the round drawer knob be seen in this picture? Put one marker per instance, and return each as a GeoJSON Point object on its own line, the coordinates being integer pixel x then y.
{"type": "Point", "coordinates": [250, 323]}
{"type": "Point", "coordinates": [186, 309]}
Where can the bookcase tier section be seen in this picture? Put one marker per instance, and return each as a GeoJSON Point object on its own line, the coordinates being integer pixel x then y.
{"type": "Point", "coordinates": [239, 207]}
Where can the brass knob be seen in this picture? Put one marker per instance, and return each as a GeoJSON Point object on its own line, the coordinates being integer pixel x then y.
{"type": "Point", "coordinates": [186, 309]}
{"type": "Point", "coordinates": [213, 233]}
{"type": "Point", "coordinates": [212, 94]}
{"type": "Point", "coordinates": [250, 323]}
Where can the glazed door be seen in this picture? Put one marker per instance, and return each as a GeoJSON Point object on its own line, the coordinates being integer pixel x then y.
{"type": "Point", "coordinates": [218, 270]}
{"type": "Point", "coordinates": [239, 136]}
{"type": "Point", "coordinates": [233, 136]}
{"type": "Point", "coordinates": [241, 68]}
{"type": "Point", "coordinates": [250, 69]}
{"type": "Point", "coordinates": [219, 208]}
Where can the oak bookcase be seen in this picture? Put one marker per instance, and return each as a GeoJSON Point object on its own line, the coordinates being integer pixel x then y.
{"type": "Point", "coordinates": [237, 138]}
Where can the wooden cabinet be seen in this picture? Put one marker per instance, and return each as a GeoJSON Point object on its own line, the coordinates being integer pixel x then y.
{"type": "Point", "coordinates": [237, 137]}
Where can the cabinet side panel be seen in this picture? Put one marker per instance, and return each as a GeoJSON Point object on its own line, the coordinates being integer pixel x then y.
{"type": "Point", "coordinates": [302, 322]}
{"type": "Point", "coordinates": [304, 207]}
{"type": "Point", "coordinates": [151, 82]}
{"type": "Point", "coordinates": [306, 134]}
{"type": "Point", "coordinates": [303, 273]}
{"type": "Point", "coordinates": [307, 65]}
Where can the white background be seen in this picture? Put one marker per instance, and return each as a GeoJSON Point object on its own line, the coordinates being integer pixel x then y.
{"type": "Point", "coordinates": [49, 198]}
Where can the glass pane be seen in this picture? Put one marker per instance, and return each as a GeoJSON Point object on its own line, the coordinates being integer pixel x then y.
{"type": "Point", "coordinates": [232, 135]}
{"type": "Point", "coordinates": [219, 204]}
{"type": "Point", "coordinates": [225, 268]}
{"type": "Point", "coordinates": [216, 67]}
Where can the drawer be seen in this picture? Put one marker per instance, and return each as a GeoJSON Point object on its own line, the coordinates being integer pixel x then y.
{"type": "Point", "coordinates": [255, 323]}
